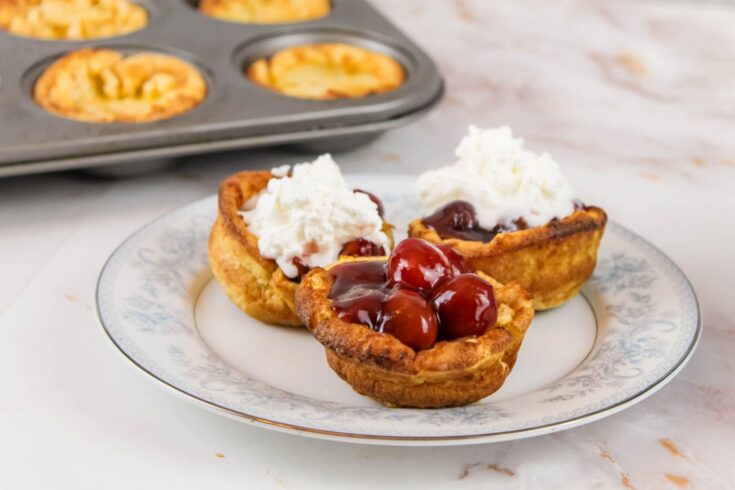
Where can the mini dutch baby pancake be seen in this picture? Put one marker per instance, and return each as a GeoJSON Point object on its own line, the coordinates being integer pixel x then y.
{"type": "Point", "coordinates": [102, 85]}
{"type": "Point", "coordinates": [265, 11]}
{"type": "Point", "coordinates": [327, 71]}
{"type": "Point", "coordinates": [513, 215]}
{"type": "Point", "coordinates": [71, 19]}
{"type": "Point", "coordinates": [418, 329]}
{"type": "Point", "coordinates": [274, 226]}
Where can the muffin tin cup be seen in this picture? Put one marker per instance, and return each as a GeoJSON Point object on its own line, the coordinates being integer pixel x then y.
{"type": "Point", "coordinates": [236, 112]}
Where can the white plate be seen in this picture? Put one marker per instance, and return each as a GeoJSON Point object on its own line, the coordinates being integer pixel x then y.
{"type": "Point", "coordinates": [631, 330]}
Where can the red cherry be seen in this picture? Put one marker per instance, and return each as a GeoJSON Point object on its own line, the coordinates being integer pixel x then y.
{"type": "Point", "coordinates": [407, 316]}
{"type": "Point", "coordinates": [361, 304]}
{"type": "Point", "coordinates": [417, 264]}
{"type": "Point", "coordinates": [375, 199]}
{"type": "Point", "coordinates": [456, 259]}
{"type": "Point", "coordinates": [458, 219]}
{"type": "Point", "coordinates": [362, 248]}
{"type": "Point", "coordinates": [466, 306]}
{"type": "Point", "coordinates": [460, 215]}
{"type": "Point", "coordinates": [347, 275]}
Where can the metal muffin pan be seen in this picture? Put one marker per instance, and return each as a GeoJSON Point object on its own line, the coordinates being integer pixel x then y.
{"type": "Point", "coordinates": [235, 114]}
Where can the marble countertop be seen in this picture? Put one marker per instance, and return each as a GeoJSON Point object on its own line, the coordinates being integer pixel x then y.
{"type": "Point", "coordinates": [636, 100]}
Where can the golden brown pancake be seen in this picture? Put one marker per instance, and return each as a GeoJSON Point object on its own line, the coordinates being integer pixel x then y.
{"type": "Point", "coordinates": [101, 85]}
{"type": "Point", "coordinates": [551, 262]}
{"type": "Point", "coordinates": [327, 71]}
{"type": "Point", "coordinates": [265, 11]}
{"type": "Point", "coordinates": [71, 19]}
{"type": "Point", "coordinates": [255, 284]}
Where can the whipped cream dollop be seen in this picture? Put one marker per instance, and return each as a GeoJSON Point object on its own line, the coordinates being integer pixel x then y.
{"type": "Point", "coordinates": [501, 179]}
{"type": "Point", "coordinates": [310, 215]}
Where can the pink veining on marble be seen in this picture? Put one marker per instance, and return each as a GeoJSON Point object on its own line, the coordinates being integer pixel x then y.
{"type": "Point", "coordinates": [578, 77]}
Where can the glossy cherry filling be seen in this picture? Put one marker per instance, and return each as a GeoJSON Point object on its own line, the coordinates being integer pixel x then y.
{"type": "Point", "coordinates": [458, 219]}
{"type": "Point", "coordinates": [465, 305]}
{"type": "Point", "coordinates": [368, 273]}
{"type": "Point", "coordinates": [362, 248]}
{"type": "Point", "coordinates": [422, 293]}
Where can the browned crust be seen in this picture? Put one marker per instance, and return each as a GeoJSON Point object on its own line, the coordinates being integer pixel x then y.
{"type": "Point", "coordinates": [72, 86]}
{"type": "Point", "coordinates": [449, 374]}
{"type": "Point", "coordinates": [260, 12]}
{"type": "Point", "coordinates": [386, 73]}
{"type": "Point", "coordinates": [552, 262]}
{"type": "Point", "coordinates": [255, 284]}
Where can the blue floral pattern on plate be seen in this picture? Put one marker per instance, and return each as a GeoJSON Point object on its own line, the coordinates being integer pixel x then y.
{"type": "Point", "coordinates": [647, 313]}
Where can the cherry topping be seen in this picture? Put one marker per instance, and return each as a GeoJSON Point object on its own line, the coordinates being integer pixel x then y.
{"type": "Point", "coordinates": [466, 306]}
{"type": "Point", "coordinates": [417, 264]}
{"type": "Point", "coordinates": [410, 318]}
{"type": "Point", "coordinates": [354, 274]}
{"type": "Point", "coordinates": [375, 199]}
{"type": "Point", "coordinates": [456, 259]}
{"type": "Point", "coordinates": [392, 297]}
{"type": "Point", "coordinates": [458, 219]}
{"type": "Point", "coordinates": [361, 305]}
{"type": "Point", "coordinates": [362, 248]}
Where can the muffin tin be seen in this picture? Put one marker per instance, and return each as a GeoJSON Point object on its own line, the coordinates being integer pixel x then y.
{"type": "Point", "coordinates": [236, 113]}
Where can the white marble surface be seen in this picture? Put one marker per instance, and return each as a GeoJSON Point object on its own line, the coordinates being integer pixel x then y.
{"type": "Point", "coordinates": [637, 102]}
